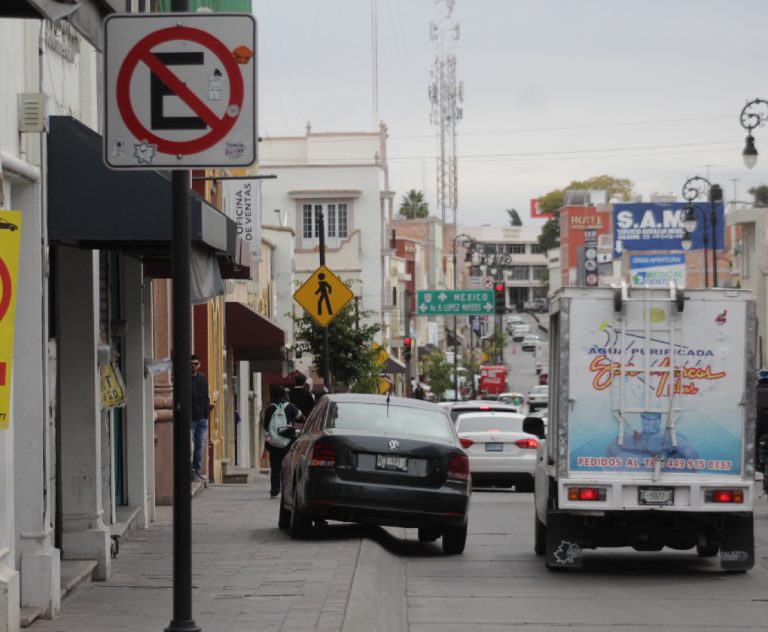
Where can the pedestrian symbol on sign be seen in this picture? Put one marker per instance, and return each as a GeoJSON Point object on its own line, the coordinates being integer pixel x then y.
{"type": "Point", "coordinates": [324, 289]}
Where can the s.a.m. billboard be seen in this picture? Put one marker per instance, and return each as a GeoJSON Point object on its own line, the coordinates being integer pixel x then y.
{"type": "Point", "coordinates": [659, 227]}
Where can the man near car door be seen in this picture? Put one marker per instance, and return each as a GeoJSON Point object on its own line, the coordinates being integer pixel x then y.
{"type": "Point", "coordinates": [199, 414]}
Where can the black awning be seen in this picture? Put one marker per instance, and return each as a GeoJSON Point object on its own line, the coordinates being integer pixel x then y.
{"type": "Point", "coordinates": [254, 338]}
{"type": "Point", "coordinates": [391, 365]}
{"type": "Point", "coordinates": [92, 206]}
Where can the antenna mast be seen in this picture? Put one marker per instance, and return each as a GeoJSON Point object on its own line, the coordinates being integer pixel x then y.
{"type": "Point", "coordinates": [446, 97]}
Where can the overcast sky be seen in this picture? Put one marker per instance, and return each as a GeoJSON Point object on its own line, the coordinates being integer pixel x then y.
{"type": "Point", "coordinates": [554, 90]}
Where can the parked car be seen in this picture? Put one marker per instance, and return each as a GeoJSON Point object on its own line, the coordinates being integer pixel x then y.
{"type": "Point", "coordinates": [519, 332]}
{"type": "Point", "coordinates": [500, 453]}
{"type": "Point", "coordinates": [538, 397]}
{"type": "Point", "coordinates": [529, 342]}
{"type": "Point", "coordinates": [378, 460]}
{"type": "Point", "coordinates": [480, 405]}
{"type": "Point", "coordinates": [513, 321]}
{"type": "Point", "coordinates": [544, 378]}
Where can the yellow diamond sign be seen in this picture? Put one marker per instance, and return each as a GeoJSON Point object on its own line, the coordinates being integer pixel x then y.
{"type": "Point", "coordinates": [323, 296]}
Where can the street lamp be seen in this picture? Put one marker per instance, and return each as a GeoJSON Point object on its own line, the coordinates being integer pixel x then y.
{"type": "Point", "coordinates": [754, 114]}
{"type": "Point", "coordinates": [693, 188]}
{"type": "Point", "coordinates": [472, 246]}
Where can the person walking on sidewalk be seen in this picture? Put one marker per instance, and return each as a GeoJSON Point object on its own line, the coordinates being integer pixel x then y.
{"type": "Point", "coordinates": [277, 454]}
{"type": "Point", "coordinates": [201, 405]}
{"type": "Point", "coordinates": [300, 396]}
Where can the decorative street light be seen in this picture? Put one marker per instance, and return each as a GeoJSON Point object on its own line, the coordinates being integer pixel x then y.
{"type": "Point", "coordinates": [693, 188]}
{"type": "Point", "coordinates": [472, 246]}
{"type": "Point", "coordinates": [754, 114]}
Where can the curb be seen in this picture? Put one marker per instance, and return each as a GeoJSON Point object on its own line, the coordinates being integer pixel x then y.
{"type": "Point", "coordinates": [377, 601]}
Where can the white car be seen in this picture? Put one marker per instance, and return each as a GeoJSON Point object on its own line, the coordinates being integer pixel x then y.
{"type": "Point", "coordinates": [500, 453]}
{"type": "Point", "coordinates": [514, 320]}
{"type": "Point", "coordinates": [519, 332]}
{"type": "Point", "coordinates": [529, 342]}
{"type": "Point", "coordinates": [538, 397]}
{"type": "Point", "coordinates": [513, 399]}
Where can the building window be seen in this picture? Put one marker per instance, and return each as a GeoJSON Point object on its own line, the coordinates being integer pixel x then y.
{"type": "Point", "coordinates": [515, 249]}
{"type": "Point", "coordinates": [540, 273]}
{"type": "Point", "coordinates": [336, 219]}
{"type": "Point", "coordinates": [519, 273]}
{"type": "Point", "coordinates": [535, 249]}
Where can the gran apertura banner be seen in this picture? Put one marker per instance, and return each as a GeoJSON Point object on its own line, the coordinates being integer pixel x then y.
{"type": "Point", "coordinates": [10, 246]}
{"type": "Point", "coordinates": [664, 392]}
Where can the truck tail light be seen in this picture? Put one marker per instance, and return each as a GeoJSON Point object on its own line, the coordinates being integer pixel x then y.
{"type": "Point", "coordinates": [323, 454]}
{"type": "Point", "coordinates": [724, 496]}
{"type": "Point", "coordinates": [587, 493]}
{"type": "Point", "coordinates": [458, 467]}
{"type": "Point", "coordinates": [466, 443]}
{"type": "Point", "coordinates": [527, 444]}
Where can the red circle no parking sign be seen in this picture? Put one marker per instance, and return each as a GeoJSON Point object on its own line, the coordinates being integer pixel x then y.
{"type": "Point", "coordinates": [218, 126]}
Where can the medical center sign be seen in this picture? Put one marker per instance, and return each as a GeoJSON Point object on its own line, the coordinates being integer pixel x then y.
{"type": "Point", "coordinates": [180, 91]}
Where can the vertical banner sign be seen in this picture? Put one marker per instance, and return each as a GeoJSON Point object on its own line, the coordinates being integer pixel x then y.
{"type": "Point", "coordinates": [590, 257]}
{"type": "Point", "coordinates": [10, 245]}
{"type": "Point", "coordinates": [242, 204]}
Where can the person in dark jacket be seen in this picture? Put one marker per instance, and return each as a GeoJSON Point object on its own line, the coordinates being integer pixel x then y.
{"type": "Point", "coordinates": [276, 455]}
{"type": "Point", "coordinates": [300, 396]}
{"type": "Point", "coordinates": [201, 404]}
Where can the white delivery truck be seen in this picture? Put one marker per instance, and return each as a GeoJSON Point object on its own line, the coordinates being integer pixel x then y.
{"type": "Point", "coordinates": [541, 356]}
{"type": "Point", "coordinates": [651, 424]}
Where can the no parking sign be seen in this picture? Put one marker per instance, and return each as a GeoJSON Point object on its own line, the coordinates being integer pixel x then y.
{"type": "Point", "coordinates": [180, 91]}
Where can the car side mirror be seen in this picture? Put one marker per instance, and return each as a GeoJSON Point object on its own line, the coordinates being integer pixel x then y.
{"type": "Point", "coordinates": [534, 426]}
{"type": "Point", "coordinates": [288, 432]}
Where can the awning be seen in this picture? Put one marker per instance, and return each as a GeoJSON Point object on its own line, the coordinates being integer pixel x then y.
{"type": "Point", "coordinates": [87, 16]}
{"type": "Point", "coordinates": [92, 206]}
{"type": "Point", "coordinates": [254, 338]}
{"type": "Point", "coordinates": [392, 366]}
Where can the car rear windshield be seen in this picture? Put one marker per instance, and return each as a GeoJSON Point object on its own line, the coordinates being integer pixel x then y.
{"type": "Point", "coordinates": [383, 418]}
{"type": "Point", "coordinates": [457, 411]}
{"type": "Point", "coordinates": [489, 424]}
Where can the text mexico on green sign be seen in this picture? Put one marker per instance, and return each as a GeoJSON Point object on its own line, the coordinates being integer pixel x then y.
{"type": "Point", "coordinates": [454, 302]}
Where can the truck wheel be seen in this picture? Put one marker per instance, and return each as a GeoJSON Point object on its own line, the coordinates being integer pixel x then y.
{"type": "Point", "coordinates": [707, 550]}
{"type": "Point", "coordinates": [454, 539]}
{"type": "Point", "coordinates": [539, 536]}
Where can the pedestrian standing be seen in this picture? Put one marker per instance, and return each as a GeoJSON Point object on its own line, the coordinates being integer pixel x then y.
{"type": "Point", "coordinates": [201, 404]}
{"type": "Point", "coordinates": [277, 454]}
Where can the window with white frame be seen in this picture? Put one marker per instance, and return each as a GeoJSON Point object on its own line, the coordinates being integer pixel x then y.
{"type": "Point", "coordinates": [336, 218]}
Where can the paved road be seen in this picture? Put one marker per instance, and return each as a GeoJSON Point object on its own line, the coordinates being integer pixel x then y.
{"type": "Point", "coordinates": [499, 584]}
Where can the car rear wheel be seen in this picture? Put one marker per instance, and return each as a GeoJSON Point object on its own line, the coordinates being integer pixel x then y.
{"type": "Point", "coordinates": [428, 534]}
{"type": "Point", "coordinates": [300, 526]}
{"type": "Point", "coordinates": [454, 540]}
{"type": "Point", "coordinates": [539, 536]}
{"type": "Point", "coordinates": [284, 518]}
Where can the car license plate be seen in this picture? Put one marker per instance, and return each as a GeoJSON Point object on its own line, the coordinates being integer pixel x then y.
{"type": "Point", "coordinates": [391, 463]}
{"type": "Point", "coordinates": [656, 496]}
{"type": "Point", "coordinates": [494, 447]}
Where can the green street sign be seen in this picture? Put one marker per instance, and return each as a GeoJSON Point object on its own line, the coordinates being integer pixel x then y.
{"type": "Point", "coordinates": [454, 302]}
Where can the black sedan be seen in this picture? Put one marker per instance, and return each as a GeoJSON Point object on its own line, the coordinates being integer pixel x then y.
{"type": "Point", "coordinates": [378, 460]}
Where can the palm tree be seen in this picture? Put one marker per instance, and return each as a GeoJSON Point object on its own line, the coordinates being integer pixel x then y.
{"type": "Point", "coordinates": [413, 205]}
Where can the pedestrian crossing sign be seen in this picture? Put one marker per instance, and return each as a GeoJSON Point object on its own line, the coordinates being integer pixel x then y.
{"type": "Point", "coordinates": [323, 295]}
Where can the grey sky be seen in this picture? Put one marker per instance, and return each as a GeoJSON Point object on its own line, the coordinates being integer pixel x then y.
{"type": "Point", "coordinates": [554, 90]}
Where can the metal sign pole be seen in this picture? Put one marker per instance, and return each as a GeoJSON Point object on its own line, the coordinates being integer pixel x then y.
{"type": "Point", "coordinates": [326, 353]}
{"type": "Point", "coordinates": [182, 397]}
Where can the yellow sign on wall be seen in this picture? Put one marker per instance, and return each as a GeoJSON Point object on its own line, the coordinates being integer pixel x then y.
{"type": "Point", "coordinates": [10, 246]}
{"type": "Point", "coordinates": [323, 295]}
{"type": "Point", "coordinates": [112, 387]}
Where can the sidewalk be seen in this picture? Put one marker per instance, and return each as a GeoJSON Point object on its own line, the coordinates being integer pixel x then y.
{"type": "Point", "coordinates": [247, 575]}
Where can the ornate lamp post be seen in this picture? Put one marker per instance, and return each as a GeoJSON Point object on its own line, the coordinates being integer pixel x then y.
{"type": "Point", "coordinates": [472, 246]}
{"type": "Point", "coordinates": [694, 188]}
{"type": "Point", "coordinates": [754, 114]}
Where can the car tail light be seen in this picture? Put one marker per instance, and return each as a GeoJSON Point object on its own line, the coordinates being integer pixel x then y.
{"type": "Point", "coordinates": [587, 493]}
{"type": "Point", "coordinates": [465, 443]}
{"type": "Point", "coordinates": [724, 496]}
{"type": "Point", "coordinates": [485, 407]}
{"type": "Point", "coordinates": [527, 444]}
{"type": "Point", "coordinates": [458, 467]}
{"type": "Point", "coordinates": [323, 455]}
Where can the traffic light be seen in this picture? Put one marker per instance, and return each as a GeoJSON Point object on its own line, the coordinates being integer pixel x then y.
{"type": "Point", "coordinates": [499, 300]}
{"type": "Point", "coordinates": [407, 343]}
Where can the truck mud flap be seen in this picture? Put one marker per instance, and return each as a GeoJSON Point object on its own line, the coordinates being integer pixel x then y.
{"type": "Point", "coordinates": [737, 551]}
{"type": "Point", "coordinates": [563, 549]}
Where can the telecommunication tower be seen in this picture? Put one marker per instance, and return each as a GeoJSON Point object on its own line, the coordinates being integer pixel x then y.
{"type": "Point", "coordinates": [446, 96]}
